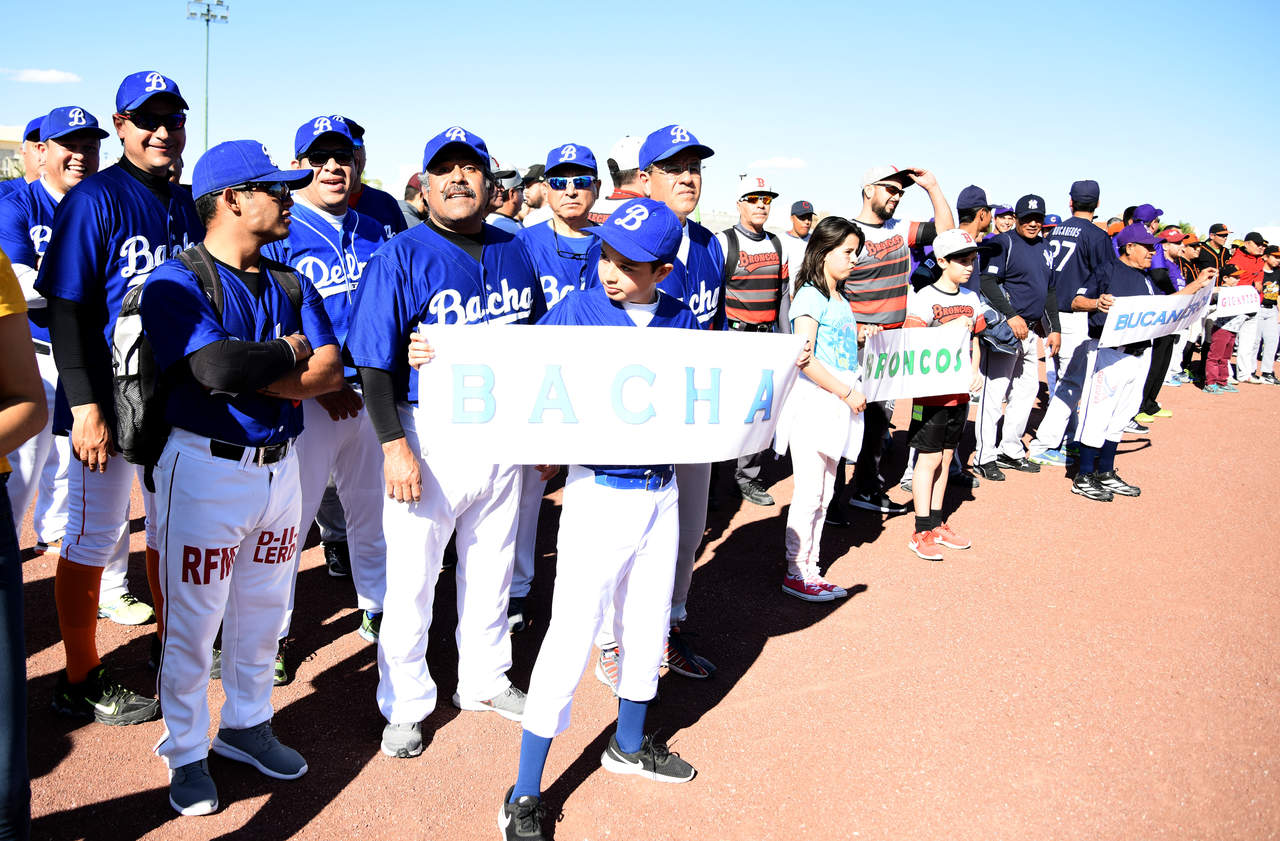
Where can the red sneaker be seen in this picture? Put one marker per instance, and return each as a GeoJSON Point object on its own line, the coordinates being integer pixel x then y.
{"type": "Point", "coordinates": [947, 536]}
{"type": "Point", "coordinates": [834, 589]}
{"type": "Point", "coordinates": [922, 543]}
{"type": "Point", "coordinates": [806, 588]}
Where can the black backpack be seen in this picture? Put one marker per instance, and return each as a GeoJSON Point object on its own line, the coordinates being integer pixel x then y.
{"type": "Point", "coordinates": [140, 391]}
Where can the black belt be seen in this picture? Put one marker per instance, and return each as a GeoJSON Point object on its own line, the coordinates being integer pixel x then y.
{"type": "Point", "coordinates": [261, 455]}
{"type": "Point", "coordinates": [42, 348]}
{"type": "Point", "coordinates": [748, 327]}
{"type": "Point", "coordinates": [354, 380]}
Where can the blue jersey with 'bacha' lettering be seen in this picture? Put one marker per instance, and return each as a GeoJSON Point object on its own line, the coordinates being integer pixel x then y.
{"type": "Point", "coordinates": [565, 264]}
{"type": "Point", "coordinates": [26, 223]}
{"type": "Point", "coordinates": [419, 277]}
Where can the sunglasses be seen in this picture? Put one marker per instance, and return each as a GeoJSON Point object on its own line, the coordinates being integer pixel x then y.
{"type": "Point", "coordinates": [561, 183]}
{"type": "Point", "coordinates": [278, 190]}
{"type": "Point", "coordinates": [693, 168]}
{"type": "Point", "coordinates": [320, 157]}
{"type": "Point", "coordinates": [891, 189]}
{"type": "Point", "coordinates": [761, 200]}
{"type": "Point", "coordinates": [151, 122]}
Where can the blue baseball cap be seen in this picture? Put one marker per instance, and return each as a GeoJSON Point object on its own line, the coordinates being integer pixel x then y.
{"type": "Point", "coordinates": [1134, 232]}
{"type": "Point", "coordinates": [1052, 220]}
{"type": "Point", "coordinates": [1146, 213]}
{"type": "Point", "coordinates": [668, 141]}
{"type": "Point", "coordinates": [642, 229]}
{"type": "Point", "coordinates": [138, 87]}
{"type": "Point", "coordinates": [69, 119]}
{"type": "Point", "coordinates": [972, 198]}
{"type": "Point", "coordinates": [32, 132]}
{"type": "Point", "coordinates": [237, 162]}
{"type": "Point", "coordinates": [312, 130]}
{"type": "Point", "coordinates": [1029, 205]}
{"type": "Point", "coordinates": [570, 154]}
{"type": "Point", "coordinates": [455, 138]}
{"type": "Point", "coordinates": [1086, 191]}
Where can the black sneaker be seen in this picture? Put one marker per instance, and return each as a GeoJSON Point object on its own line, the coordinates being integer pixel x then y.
{"type": "Point", "coordinates": [653, 761]}
{"type": "Point", "coordinates": [1135, 428]}
{"type": "Point", "coordinates": [878, 502]}
{"type": "Point", "coordinates": [754, 492]}
{"type": "Point", "coordinates": [989, 471]}
{"type": "Point", "coordinates": [103, 700]}
{"type": "Point", "coordinates": [1111, 481]}
{"type": "Point", "coordinates": [337, 557]}
{"type": "Point", "coordinates": [1022, 464]}
{"type": "Point", "coordinates": [522, 820]}
{"type": "Point", "coordinates": [1088, 487]}
{"type": "Point", "coordinates": [280, 671]}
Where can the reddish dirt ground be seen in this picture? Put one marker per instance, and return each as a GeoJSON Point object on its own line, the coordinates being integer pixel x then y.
{"type": "Point", "coordinates": [1086, 671]}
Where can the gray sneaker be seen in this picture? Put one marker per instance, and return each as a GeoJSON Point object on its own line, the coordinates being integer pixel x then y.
{"type": "Point", "coordinates": [191, 789]}
{"type": "Point", "coordinates": [259, 747]}
{"type": "Point", "coordinates": [402, 741]}
{"type": "Point", "coordinates": [510, 704]}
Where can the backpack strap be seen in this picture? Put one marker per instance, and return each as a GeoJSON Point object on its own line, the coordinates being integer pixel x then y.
{"type": "Point", "coordinates": [288, 280]}
{"type": "Point", "coordinates": [730, 254]}
{"type": "Point", "coordinates": [199, 260]}
{"type": "Point", "coordinates": [777, 246]}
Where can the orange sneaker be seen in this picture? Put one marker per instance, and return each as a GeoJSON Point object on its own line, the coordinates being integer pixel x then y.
{"type": "Point", "coordinates": [947, 536]}
{"type": "Point", "coordinates": [922, 543]}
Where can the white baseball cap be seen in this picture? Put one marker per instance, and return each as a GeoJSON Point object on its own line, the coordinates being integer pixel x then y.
{"type": "Point", "coordinates": [752, 184]}
{"type": "Point", "coordinates": [625, 154]}
{"type": "Point", "coordinates": [954, 242]}
{"type": "Point", "coordinates": [877, 174]}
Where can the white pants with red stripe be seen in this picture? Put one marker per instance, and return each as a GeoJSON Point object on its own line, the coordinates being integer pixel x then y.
{"type": "Point", "coordinates": [228, 534]}
{"type": "Point", "coordinates": [480, 501]}
{"type": "Point", "coordinates": [617, 555]}
{"type": "Point", "coordinates": [1113, 394]}
{"type": "Point", "coordinates": [98, 521]}
{"type": "Point", "coordinates": [349, 451]}
{"type": "Point", "coordinates": [42, 463]}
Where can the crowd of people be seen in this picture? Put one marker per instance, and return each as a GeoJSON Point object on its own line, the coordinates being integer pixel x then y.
{"type": "Point", "coordinates": [277, 318]}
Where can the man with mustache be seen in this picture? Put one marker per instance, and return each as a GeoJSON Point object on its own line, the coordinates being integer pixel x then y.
{"type": "Point", "coordinates": [109, 234]}
{"type": "Point", "coordinates": [452, 269]}
{"type": "Point", "coordinates": [69, 142]}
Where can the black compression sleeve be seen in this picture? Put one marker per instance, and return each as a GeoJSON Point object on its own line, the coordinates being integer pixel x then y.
{"type": "Point", "coordinates": [81, 354]}
{"type": "Point", "coordinates": [1051, 311]}
{"type": "Point", "coordinates": [380, 400]}
{"type": "Point", "coordinates": [993, 292]}
{"type": "Point", "coordinates": [1162, 281]}
{"type": "Point", "coordinates": [237, 367]}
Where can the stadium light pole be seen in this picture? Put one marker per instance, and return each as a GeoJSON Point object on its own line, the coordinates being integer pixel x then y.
{"type": "Point", "coordinates": [209, 11]}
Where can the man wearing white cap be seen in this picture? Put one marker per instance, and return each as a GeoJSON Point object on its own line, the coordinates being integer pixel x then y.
{"type": "Point", "coordinates": [755, 273]}
{"type": "Point", "coordinates": [508, 199]}
{"type": "Point", "coordinates": [624, 171]}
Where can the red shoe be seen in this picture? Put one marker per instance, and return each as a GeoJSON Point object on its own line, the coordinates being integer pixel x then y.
{"type": "Point", "coordinates": [922, 543]}
{"type": "Point", "coordinates": [808, 589]}
{"type": "Point", "coordinates": [946, 536]}
{"type": "Point", "coordinates": [834, 589]}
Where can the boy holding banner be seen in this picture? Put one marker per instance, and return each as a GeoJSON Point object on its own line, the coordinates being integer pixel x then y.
{"type": "Point", "coordinates": [618, 541]}
{"type": "Point", "coordinates": [936, 422]}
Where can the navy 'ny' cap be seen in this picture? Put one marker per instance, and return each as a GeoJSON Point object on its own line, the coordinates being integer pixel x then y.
{"type": "Point", "coordinates": [668, 141]}
{"type": "Point", "coordinates": [1029, 205]}
{"type": "Point", "coordinates": [455, 139]}
{"type": "Point", "coordinates": [237, 162]}
{"type": "Point", "coordinates": [138, 87]}
{"type": "Point", "coordinates": [312, 130]}
{"type": "Point", "coordinates": [642, 230]}
{"type": "Point", "coordinates": [69, 119]}
{"type": "Point", "coordinates": [570, 154]}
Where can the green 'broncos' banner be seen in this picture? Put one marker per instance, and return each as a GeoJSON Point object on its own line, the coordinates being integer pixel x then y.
{"type": "Point", "coordinates": [917, 362]}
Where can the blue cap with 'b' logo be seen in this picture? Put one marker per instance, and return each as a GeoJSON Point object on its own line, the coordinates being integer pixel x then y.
{"type": "Point", "coordinates": [138, 87]}
{"type": "Point", "coordinates": [668, 141]}
{"type": "Point", "coordinates": [238, 162]}
{"type": "Point", "coordinates": [456, 139]}
{"type": "Point", "coordinates": [643, 230]}
{"type": "Point", "coordinates": [570, 154]}
{"type": "Point", "coordinates": [312, 130]}
{"type": "Point", "coordinates": [69, 119]}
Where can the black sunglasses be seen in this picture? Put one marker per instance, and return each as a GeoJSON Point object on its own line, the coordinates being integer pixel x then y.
{"type": "Point", "coordinates": [151, 122]}
{"type": "Point", "coordinates": [320, 157]}
{"type": "Point", "coordinates": [276, 189]}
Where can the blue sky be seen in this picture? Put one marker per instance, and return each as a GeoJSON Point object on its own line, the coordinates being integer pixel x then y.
{"type": "Point", "coordinates": [1171, 103]}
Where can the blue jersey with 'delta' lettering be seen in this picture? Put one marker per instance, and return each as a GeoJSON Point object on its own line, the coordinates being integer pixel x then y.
{"type": "Point", "coordinates": [419, 277]}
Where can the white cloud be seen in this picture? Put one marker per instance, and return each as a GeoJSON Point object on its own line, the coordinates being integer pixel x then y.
{"type": "Point", "coordinates": [42, 77]}
{"type": "Point", "coordinates": [778, 163]}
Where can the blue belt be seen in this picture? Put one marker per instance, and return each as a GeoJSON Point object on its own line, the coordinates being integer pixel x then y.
{"type": "Point", "coordinates": [652, 482]}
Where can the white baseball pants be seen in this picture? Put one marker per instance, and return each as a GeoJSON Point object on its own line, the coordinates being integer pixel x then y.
{"type": "Point", "coordinates": [481, 502]}
{"type": "Point", "coordinates": [1066, 386]}
{"type": "Point", "coordinates": [1015, 376]}
{"type": "Point", "coordinates": [532, 489]}
{"type": "Point", "coordinates": [98, 522]}
{"type": "Point", "coordinates": [695, 484]}
{"type": "Point", "coordinates": [1114, 395]}
{"type": "Point", "coordinates": [616, 549]}
{"type": "Point", "coordinates": [349, 450]}
{"type": "Point", "coordinates": [42, 462]}
{"type": "Point", "coordinates": [228, 535]}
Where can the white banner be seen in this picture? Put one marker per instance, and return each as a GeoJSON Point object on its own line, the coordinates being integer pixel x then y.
{"type": "Point", "coordinates": [518, 394]}
{"type": "Point", "coordinates": [917, 362]}
{"type": "Point", "coordinates": [1135, 318]}
{"type": "Point", "coordinates": [1236, 300]}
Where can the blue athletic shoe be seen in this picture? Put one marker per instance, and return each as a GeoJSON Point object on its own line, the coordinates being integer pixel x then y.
{"type": "Point", "coordinates": [1051, 458]}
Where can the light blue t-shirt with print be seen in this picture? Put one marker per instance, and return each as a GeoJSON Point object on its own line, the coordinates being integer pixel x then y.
{"type": "Point", "coordinates": [836, 345]}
